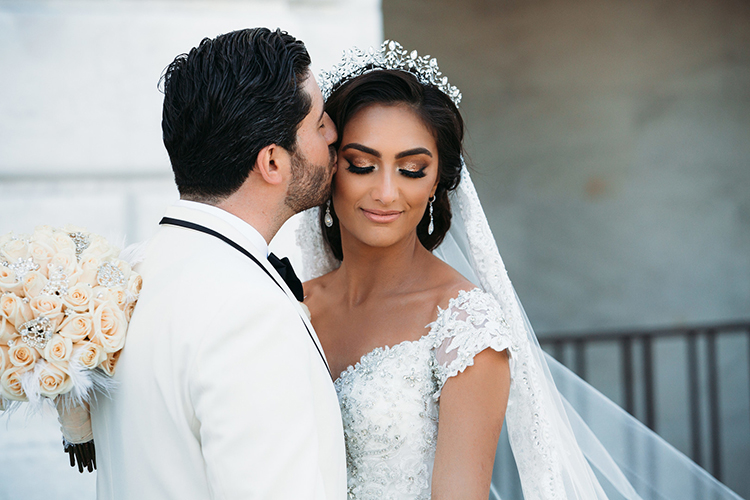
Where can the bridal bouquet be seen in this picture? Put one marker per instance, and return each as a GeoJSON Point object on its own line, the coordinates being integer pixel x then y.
{"type": "Point", "coordinates": [65, 303]}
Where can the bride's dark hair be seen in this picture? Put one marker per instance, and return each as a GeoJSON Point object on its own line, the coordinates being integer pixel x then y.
{"type": "Point", "coordinates": [439, 114]}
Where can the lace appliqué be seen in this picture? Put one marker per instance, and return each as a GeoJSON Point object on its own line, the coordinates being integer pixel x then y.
{"type": "Point", "coordinates": [472, 323]}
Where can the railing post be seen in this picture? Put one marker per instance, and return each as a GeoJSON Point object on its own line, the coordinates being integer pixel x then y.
{"type": "Point", "coordinates": [713, 398]}
{"type": "Point", "coordinates": [694, 395]}
{"type": "Point", "coordinates": [626, 350]}
{"type": "Point", "coordinates": [648, 382]}
{"type": "Point", "coordinates": [581, 358]}
{"type": "Point", "coordinates": [557, 350]}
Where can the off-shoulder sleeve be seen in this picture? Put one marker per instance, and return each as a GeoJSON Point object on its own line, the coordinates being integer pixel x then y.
{"type": "Point", "coordinates": [472, 322]}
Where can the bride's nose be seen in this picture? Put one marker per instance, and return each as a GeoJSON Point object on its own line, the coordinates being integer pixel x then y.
{"type": "Point", "coordinates": [385, 190]}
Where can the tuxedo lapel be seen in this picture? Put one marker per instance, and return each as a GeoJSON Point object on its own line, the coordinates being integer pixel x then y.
{"type": "Point", "coordinates": [225, 229]}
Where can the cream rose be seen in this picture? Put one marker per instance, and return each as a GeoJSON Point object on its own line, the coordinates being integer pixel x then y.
{"type": "Point", "coordinates": [99, 248]}
{"type": "Point", "coordinates": [15, 249]}
{"type": "Point", "coordinates": [135, 283]}
{"type": "Point", "coordinates": [7, 330]}
{"type": "Point", "coordinates": [100, 295]}
{"type": "Point", "coordinates": [65, 260]}
{"type": "Point", "coordinates": [73, 278]}
{"type": "Point", "coordinates": [77, 327]}
{"type": "Point", "coordinates": [110, 327]}
{"type": "Point", "coordinates": [58, 349]}
{"type": "Point", "coordinates": [42, 255]}
{"type": "Point", "coordinates": [4, 358]}
{"type": "Point", "coordinates": [63, 241]}
{"type": "Point", "coordinates": [33, 284]}
{"type": "Point", "coordinates": [45, 235]}
{"type": "Point", "coordinates": [110, 362]}
{"type": "Point", "coordinates": [49, 306]}
{"type": "Point", "coordinates": [120, 297]}
{"type": "Point", "coordinates": [129, 310]}
{"type": "Point", "coordinates": [10, 384]}
{"type": "Point", "coordinates": [78, 297]}
{"type": "Point", "coordinates": [89, 270]}
{"type": "Point", "coordinates": [89, 355]}
{"type": "Point", "coordinates": [53, 380]}
{"type": "Point", "coordinates": [23, 355]}
{"type": "Point", "coordinates": [8, 281]}
{"type": "Point", "coordinates": [5, 239]}
{"type": "Point", "coordinates": [15, 309]}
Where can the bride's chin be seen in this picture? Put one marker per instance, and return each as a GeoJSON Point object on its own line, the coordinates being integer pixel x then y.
{"type": "Point", "coordinates": [379, 237]}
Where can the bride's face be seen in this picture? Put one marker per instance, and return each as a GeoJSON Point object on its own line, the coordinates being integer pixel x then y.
{"type": "Point", "coordinates": [387, 171]}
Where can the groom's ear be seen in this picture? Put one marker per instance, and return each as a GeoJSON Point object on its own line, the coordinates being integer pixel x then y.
{"type": "Point", "coordinates": [273, 164]}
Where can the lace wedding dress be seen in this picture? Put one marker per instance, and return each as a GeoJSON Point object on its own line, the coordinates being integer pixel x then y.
{"type": "Point", "coordinates": [390, 398]}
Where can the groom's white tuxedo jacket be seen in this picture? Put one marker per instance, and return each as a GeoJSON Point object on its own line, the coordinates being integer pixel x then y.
{"type": "Point", "coordinates": [221, 392]}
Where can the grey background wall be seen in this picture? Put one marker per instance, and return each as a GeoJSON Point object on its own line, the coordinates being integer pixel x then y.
{"type": "Point", "coordinates": [611, 147]}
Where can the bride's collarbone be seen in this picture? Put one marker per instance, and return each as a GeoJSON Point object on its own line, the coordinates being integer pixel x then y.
{"type": "Point", "coordinates": [350, 333]}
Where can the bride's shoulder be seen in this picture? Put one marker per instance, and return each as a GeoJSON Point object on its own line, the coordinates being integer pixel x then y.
{"type": "Point", "coordinates": [457, 293]}
{"type": "Point", "coordinates": [452, 285]}
{"type": "Point", "coordinates": [315, 287]}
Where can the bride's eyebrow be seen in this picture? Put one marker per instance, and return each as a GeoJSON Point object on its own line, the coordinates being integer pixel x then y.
{"type": "Point", "coordinates": [412, 152]}
{"type": "Point", "coordinates": [363, 148]}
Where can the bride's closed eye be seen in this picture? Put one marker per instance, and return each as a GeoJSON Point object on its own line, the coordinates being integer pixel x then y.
{"type": "Point", "coordinates": [358, 170]}
{"type": "Point", "coordinates": [413, 173]}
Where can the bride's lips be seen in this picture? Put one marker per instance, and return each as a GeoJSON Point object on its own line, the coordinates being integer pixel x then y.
{"type": "Point", "coordinates": [381, 216]}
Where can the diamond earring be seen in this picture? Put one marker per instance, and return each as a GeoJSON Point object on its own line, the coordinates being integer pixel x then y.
{"type": "Point", "coordinates": [328, 219]}
{"type": "Point", "coordinates": [431, 227]}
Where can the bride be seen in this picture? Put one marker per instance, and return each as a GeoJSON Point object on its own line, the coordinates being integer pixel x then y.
{"type": "Point", "coordinates": [391, 175]}
{"type": "Point", "coordinates": [430, 359]}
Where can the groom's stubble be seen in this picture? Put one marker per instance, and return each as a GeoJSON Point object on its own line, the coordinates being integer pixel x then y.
{"type": "Point", "coordinates": [311, 184]}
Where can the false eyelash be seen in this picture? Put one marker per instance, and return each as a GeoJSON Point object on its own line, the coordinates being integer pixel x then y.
{"type": "Point", "coordinates": [359, 170]}
{"type": "Point", "coordinates": [413, 174]}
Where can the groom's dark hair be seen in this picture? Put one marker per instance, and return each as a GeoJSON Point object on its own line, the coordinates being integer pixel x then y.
{"type": "Point", "coordinates": [225, 101]}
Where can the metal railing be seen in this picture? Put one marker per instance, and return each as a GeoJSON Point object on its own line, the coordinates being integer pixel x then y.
{"type": "Point", "coordinates": [571, 350]}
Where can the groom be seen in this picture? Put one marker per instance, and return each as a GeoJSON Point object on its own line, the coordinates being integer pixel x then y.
{"type": "Point", "coordinates": [223, 391]}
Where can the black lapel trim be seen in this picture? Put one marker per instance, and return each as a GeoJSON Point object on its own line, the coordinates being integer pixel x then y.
{"type": "Point", "coordinates": [197, 227]}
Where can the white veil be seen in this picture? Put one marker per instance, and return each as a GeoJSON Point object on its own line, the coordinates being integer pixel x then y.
{"type": "Point", "coordinates": [562, 438]}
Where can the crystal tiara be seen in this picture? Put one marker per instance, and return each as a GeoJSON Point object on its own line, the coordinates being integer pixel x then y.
{"type": "Point", "coordinates": [391, 55]}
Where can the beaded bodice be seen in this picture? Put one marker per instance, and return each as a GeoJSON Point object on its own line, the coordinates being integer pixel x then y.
{"type": "Point", "coordinates": [390, 398]}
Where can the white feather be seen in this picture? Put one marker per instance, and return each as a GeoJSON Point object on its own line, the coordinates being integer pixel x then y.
{"type": "Point", "coordinates": [135, 253]}
{"type": "Point", "coordinates": [30, 385]}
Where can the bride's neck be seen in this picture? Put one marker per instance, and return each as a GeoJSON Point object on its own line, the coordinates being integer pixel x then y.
{"type": "Point", "coordinates": [369, 271]}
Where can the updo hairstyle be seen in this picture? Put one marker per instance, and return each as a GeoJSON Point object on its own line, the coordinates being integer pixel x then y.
{"type": "Point", "coordinates": [438, 113]}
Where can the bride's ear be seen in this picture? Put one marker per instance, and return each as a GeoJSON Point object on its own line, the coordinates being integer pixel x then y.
{"type": "Point", "coordinates": [273, 164]}
{"type": "Point", "coordinates": [434, 188]}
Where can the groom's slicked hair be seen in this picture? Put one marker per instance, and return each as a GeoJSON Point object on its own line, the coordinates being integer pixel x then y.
{"type": "Point", "coordinates": [225, 101]}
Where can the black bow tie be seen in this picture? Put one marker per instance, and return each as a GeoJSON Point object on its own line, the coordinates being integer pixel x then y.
{"type": "Point", "coordinates": [285, 270]}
